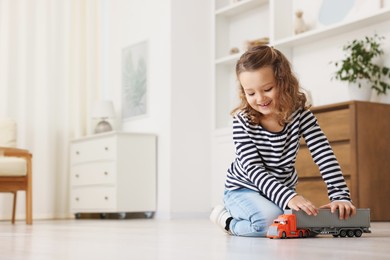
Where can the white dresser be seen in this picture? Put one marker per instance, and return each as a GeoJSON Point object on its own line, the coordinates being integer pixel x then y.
{"type": "Point", "coordinates": [113, 172]}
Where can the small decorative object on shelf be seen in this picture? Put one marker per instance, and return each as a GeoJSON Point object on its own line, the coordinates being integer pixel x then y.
{"type": "Point", "coordinates": [298, 224]}
{"type": "Point", "coordinates": [300, 26]}
{"type": "Point", "coordinates": [361, 65]}
{"type": "Point", "coordinates": [253, 43]}
{"type": "Point", "coordinates": [234, 50]}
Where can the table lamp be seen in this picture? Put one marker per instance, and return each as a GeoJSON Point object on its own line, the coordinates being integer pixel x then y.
{"type": "Point", "coordinates": [104, 109]}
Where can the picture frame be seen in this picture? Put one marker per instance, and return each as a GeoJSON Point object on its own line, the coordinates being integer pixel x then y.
{"type": "Point", "coordinates": [334, 11]}
{"type": "Point", "coordinates": [135, 80]}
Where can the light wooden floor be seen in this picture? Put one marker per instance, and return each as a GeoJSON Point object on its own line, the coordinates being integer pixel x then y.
{"type": "Point", "coordinates": [174, 239]}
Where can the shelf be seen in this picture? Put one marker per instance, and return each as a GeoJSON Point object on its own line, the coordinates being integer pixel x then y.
{"type": "Point", "coordinates": [228, 60]}
{"type": "Point", "coordinates": [336, 29]}
{"type": "Point", "coordinates": [235, 23]}
{"type": "Point", "coordinates": [239, 7]}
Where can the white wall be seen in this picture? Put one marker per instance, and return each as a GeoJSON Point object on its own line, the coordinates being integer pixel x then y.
{"type": "Point", "coordinates": [190, 107]}
{"type": "Point", "coordinates": [179, 89]}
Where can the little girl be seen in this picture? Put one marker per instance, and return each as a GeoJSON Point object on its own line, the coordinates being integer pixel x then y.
{"type": "Point", "coordinates": [267, 126]}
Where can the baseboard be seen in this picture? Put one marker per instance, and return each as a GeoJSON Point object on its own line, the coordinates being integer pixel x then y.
{"type": "Point", "coordinates": [22, 217]}
{"type": "Point", "coordinates": [163, 215]}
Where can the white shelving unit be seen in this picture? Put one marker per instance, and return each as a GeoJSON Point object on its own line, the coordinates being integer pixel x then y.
{"type": "Point", "coordinates": [235, 23]}
{"type": "Point", "coordinates": [238, 21]}
{"type": "Point", "coordinates": [340, 28]}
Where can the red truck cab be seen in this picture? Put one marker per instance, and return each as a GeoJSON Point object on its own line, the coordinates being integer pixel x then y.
{"type": "Point", "coordinates": [286, 226]}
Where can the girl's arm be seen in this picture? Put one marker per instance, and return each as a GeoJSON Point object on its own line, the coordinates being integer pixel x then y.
{"type": "Point", "coordinates": [324, 157]}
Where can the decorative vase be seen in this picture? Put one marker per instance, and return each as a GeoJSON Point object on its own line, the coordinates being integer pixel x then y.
{"type": "Point", "coordinates": [362, 94]}
{"type": "Point", "coordinates": [299, 24]}
{"type": "Point", "coordinates": [382, 98]}
{"type": "Point", "coordinates": [385, 98]}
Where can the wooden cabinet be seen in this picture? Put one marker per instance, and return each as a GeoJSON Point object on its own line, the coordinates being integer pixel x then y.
{"type": "Point", "coordinates": [359, 133]}
{"type": "Point", "coordinates": [113, 172]}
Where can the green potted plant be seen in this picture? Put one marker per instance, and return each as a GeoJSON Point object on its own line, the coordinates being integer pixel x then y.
{"type": "Point", "coordinates": [359, 66]}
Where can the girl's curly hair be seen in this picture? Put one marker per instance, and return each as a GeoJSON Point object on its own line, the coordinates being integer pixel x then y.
{"type": "Point", "coordinates": [290, 98]}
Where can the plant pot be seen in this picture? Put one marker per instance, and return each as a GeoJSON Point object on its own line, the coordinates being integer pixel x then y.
{"type": "Point", "coordinates": [381, 98]}
{"type": "Point", "coordinates": [362, 94]}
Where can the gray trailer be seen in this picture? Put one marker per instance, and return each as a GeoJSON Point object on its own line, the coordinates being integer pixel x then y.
{"type": "Point", "coordinates": [327, 222]}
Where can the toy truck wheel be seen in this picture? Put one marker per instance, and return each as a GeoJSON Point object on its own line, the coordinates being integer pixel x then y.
{"type": "Point", "coordinates": [350, 233]}
{"type": "Point", "coordinates": [300, 234]}
{"type": "Point", "coordinates": [284, 234]}
{"type": "Point", "coordinates": [358, 233]}
{"type": "Point", "coordinates": [335, 235]}
{"type": "Point", "coordinates": [343, 233]}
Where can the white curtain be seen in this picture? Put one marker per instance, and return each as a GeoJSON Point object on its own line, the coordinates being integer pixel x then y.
{"type": "Point", "coordinates": [49, 76]}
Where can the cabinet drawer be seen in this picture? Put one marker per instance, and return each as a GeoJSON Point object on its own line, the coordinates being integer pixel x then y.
{"type": "Point", "coordinates": [93, 173]}
{"type": "Point", "coordinates": [93, 199]}
{"type": "Point", "coordinates": [335, 124]}
{"type": "Point", "coordinates": [314, 189]}
{"type": "Point", "coordinates": [92, 150]}
{"type": "Point", "coordinates": [306, 167]}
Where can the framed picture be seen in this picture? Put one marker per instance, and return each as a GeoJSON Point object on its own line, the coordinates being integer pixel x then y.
{"type": "Point", "coordinates": [335, 11]}
{"type": "Point", "coordinates": [324, 13]}
{"type": "Point", "coordinates": [134, 80]}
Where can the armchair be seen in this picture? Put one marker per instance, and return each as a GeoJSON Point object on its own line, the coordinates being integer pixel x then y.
{"type": "Point", "coordinates": [15, 168]}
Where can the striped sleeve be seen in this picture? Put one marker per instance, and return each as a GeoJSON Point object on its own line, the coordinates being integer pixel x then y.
{"type": "Point", "coordinates": [251, 162]}
{"type": "Point", "coordinates": [324, 157]}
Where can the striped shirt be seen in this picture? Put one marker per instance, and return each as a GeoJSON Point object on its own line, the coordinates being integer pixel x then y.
{"type": "Point", "coordinates": [265, 160]}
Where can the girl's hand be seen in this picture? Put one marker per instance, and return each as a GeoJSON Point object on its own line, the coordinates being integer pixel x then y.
{"type": "Point", "coordinates": [298, 202]}
{"type": "Point", "coordinates": [346, 208]}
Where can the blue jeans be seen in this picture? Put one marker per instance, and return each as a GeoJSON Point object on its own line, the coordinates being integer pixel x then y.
{"type": "Point", "coordinates": [252, 213]}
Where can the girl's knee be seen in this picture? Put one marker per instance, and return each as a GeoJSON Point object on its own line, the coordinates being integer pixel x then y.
{"type": "Point", "coordinates": [255, 223]}
{"type": "Point", "coordinates": [265, 218]}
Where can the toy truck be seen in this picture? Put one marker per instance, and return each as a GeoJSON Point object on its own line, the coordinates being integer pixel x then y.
{"type": "Point", "coordinates": [298, 224]}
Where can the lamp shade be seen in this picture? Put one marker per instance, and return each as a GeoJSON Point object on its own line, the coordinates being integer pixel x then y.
{"type": "Point", "coordinates": [103, 109]}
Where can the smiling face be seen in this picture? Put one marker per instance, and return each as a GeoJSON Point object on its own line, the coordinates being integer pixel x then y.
{"type": "Point", "coordinates": [260, 90]}
{"type": "Point", "coordinates": [269, 90]}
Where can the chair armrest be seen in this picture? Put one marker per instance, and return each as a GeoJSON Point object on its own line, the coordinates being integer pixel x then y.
{"type": "Point", "coordinates": [17, 152]}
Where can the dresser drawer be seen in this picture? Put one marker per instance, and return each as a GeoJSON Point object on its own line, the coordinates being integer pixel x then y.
{"type": "Point", "coordinates": [335, 124]}
{"type": "Point", "coordinates": [315, 190]}
{"type": "Point", "coordinates": [98, 199]}
{"type": "Point", "coordinates": [93, 150]}
{"type": "Point", "coordinates": [93, 174]}
{"type": "Point", "coordinates": [306, 167]}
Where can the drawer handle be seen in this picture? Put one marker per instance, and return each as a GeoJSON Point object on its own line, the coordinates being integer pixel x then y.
{"type": "Point", "coordinates": [106, 197]}
{"type": "Point", "coordinates": [106, 173]}
{"type": "Point", "coordinates": [77, 199]}
{"type": "Point", "coordinates": [106, 148]}
{"type": "Point", "coordinates": [77, 175]}
{"type": "Point", "coordinates": [77, 152]}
